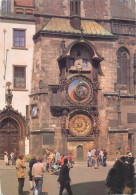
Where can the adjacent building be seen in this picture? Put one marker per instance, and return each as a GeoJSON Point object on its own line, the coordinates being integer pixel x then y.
{"type": "Point", "coordinates": [17, 26]}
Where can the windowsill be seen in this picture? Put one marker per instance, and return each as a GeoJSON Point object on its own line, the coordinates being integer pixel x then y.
{"type": "Point", "coordinates": [19, 89]}
{"type": "Point", "coordinates": [21, 48]}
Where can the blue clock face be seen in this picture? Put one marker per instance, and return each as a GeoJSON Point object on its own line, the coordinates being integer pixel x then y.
{"type": "Point", "coordinates": [122, 1]}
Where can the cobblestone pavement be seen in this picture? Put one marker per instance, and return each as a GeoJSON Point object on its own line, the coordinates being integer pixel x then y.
{"type": "Point", "coordinates": [85, 181]}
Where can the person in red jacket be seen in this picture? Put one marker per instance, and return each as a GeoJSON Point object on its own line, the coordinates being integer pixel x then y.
{"type": "Point", "coordinates": [62, 159]}
{"type": "Point", "coordinates": [70, 158]}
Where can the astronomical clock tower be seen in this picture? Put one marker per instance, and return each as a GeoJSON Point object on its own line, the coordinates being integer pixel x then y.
{"type": "Point", "coordinates": [79, 71]}
{"type": "Point", "coordinates": [75, 104]}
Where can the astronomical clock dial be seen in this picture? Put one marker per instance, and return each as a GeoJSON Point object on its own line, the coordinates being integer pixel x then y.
{"type": "Point", "coordinates": [80, 125]}
{"type": "Point", "coordinates": [34, 111]}
{"type": "Point", "coordinates": [79, 90]}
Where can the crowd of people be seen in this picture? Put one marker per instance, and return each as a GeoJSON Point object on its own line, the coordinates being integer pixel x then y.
{"type": "Point", "coordinates": [120, 179]}
{"type": "Point", "coordinates": [10, 158]}
{"type": "Point", "coordinates": [96, 158]}
{"type": "Point", "coordinates": [52, 162]}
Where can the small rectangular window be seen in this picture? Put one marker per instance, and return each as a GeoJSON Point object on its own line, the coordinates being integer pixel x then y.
{"type": "Point", "coordinates": [19, 38]}
{"type": "Point", "coordinates": [84, 63]}
{"type": "Point", "coordinates": [19, 77]}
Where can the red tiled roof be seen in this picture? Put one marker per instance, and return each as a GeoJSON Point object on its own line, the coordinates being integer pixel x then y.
{"type": "Point", "coordinates": [26, 3]}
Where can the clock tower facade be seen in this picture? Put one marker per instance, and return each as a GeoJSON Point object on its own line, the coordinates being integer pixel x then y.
{"type": "Point", "coordinates": [82, 75]}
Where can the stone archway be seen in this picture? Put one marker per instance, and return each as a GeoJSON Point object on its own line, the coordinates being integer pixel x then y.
{"type": "Point", "coordinates": [12, 131]}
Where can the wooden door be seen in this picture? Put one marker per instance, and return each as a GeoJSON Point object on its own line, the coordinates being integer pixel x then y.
{"type": "Point", "coordinates": [79, 153]}
{"type": "Point", "coordinates": [9, 137]}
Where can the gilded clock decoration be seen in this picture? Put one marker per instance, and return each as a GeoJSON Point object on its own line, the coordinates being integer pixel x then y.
{"type": "Point", "coordinates": [80, 125]}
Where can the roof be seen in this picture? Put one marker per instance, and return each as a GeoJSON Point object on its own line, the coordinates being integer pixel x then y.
{"type": "Point", "coordinates": [62, 25]}
{"type": "Point", "coordinates": [121, 10]}
{"type": "Point", "coordinates": [24, 3]}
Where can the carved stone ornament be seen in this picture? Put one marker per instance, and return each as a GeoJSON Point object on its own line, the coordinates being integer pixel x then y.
{"type": "Point", "coordinates": [80, 90]}
{"type": "Point", "coordinates": [80, 125]}
{"type": "Point", "coordinates": [79, 67]}
{"type": "Point", "coordinates": [9, 94]}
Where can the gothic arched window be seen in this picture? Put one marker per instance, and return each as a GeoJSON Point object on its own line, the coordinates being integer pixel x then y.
{"type": "Point", "coordinates": [122, 66]}
{"type": "Point", "coordinates": [75, 7]}
{"type": "Point", "coordinates": [6, 6]}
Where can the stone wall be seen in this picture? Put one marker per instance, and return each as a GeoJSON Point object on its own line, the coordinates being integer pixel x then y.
{"type": "Point", "coordinates": [94, 9]}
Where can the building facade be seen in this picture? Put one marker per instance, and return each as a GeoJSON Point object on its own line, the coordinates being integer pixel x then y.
{"type": "Point", "coordinates": [83, 83]}
{"type": "Point", "coordinates": [77, 90]}
{"type": "Point", "coordinates": [17, 26]}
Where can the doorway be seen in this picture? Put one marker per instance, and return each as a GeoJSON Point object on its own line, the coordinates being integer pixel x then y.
{"type": "Point", "coordinates": [80, 153]}
{"type": "Point", "coordinates": [9, 136]}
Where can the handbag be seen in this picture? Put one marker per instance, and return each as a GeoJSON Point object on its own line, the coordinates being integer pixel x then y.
{"type": "Point", "coordinates": [35, 191]}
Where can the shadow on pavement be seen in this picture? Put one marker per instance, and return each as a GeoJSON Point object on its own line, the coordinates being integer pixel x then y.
{"type": "Point", "coordinates": [89, 188]}
{"type": "Point", "coordinates": [26, 192]}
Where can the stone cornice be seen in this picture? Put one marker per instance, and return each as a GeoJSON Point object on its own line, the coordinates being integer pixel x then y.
{"type": "Point", "coordinates": [121, 95]}
{"type": "Point", "coordinates": [45, 130]}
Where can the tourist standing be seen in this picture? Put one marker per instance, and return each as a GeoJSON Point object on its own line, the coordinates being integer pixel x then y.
{"type": "Point", "coordinates": [117, 154]}
{"type": "Point", "coordinates": [37, 172]}
{"type": "Point", "coordinates": [92, 157]}
{"type": "Point", "coordinates": [15, 157]}
{"type": "Point", "coordinates": [31, 163]}
{"type": "Point", "coordinates": [51, 156]}
{"type": "Point", "coordinates": [130, 173]}
{"type": "Point", "coordinates": [104, 157]}
{"type": "Point", "coordinates": [97, 153]}
{"type": "Point", "coordinates": [6, 161]}
{"type": "Point", "coordinates": [64, 178]}
{"type": "Point", "coordinates": [56, 156]}
{"type": "Point", "coordinates": [12, 158]}
{"type": "Point", "coordinates": [70, 159]}
{"type": "Point", "coordinates": [115, 180]}
{"type": "Point", "coordinates": [61, 162]}
{"type": "Point", "coordinates": [21, 174]}
{"type": "Point", "coordinates": [89, 154]}
{"type": "Point", "coordinates": [101, 157]}
{"type": "Point", "coordinates": [47, 161]}
{"type": "Point", "coordinates": [128, 149]}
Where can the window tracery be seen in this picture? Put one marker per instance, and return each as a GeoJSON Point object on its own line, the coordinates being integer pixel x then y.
{"type": "Point", "coordinates": [122, 66]}
{"type": "Point", "coordinates": [75, 7]}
